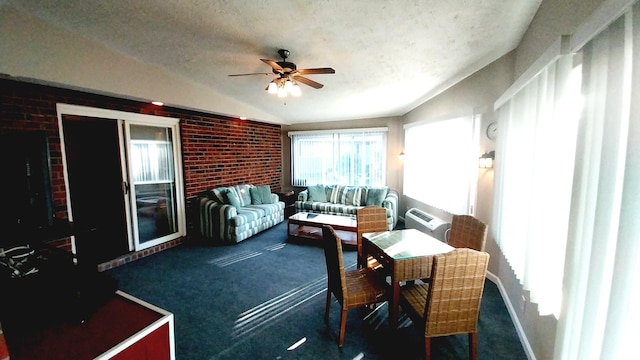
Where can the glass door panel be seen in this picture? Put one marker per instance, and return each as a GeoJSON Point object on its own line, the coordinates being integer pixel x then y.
{"type": "Point", "coordinates": [153, 184]}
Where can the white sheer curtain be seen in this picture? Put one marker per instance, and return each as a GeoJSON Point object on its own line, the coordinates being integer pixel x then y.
{"type": "Point", "coordinates": [152, 161]}
{"type": "Point", "coordinates": [533, 177]}
{"type": "Point", "coordinates": [600, 313]}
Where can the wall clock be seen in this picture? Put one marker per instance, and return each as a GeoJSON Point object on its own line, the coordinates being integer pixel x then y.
{"type": "Point", "coordinates": [492, 130]}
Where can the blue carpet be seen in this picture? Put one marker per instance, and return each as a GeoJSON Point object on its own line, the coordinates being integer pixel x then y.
{"type": "Point", "coordinates": [255, 299]}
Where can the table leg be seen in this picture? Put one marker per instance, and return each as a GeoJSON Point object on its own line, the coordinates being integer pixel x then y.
{"type": "Point", "coordinates": [394, 305]}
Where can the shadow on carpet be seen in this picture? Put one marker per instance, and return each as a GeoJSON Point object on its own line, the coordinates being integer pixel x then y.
{"type": "Point", "coordinates": [259, 298]}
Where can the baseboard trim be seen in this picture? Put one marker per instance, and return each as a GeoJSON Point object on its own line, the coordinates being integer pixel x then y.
{"type": "Point", "coordinates": [514, 318]}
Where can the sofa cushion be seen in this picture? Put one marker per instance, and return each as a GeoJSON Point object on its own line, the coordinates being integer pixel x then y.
{"type": "Point", "coordinates": [317, 193]}
{"type": "Point", "coordinates": [375, 196]}
{"type": "Point", "coordinates": [260, 194]}
{"type": "Point", "coordinates": [336, 194]}
{"type": "Point", "coordinates": [244, 193]}
{"type": "Point", "coordinates": [352, 196]}
{"type": "Point", "coordinates": [327, 208]}
{"type": "Point", "coordinates": [218, 194]}
{"type": "Point", "coordinates": [346, 195]}
{"type": "Point", "coordinates": [231, 197]}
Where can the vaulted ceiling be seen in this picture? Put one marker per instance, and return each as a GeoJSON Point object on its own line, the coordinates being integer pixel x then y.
{"type": "Point", "coordinates": [388, 56]}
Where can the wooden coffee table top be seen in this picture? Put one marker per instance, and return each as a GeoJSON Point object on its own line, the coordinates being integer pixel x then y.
{"type": "Point", "coordinates": [338, 222]}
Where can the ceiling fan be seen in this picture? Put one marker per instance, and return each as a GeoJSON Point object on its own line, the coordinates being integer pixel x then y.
{"type": "Point", "coordinates": [288, 76]}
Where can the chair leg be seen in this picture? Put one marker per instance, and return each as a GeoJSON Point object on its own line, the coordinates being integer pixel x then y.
{"type": "Point", "coordinates": [343, 325]}
{"type": "Point", "coordinates": [427, 348]}
{"type": "Point", "coordinates": [327, 307]}
{"type": "Point", "coordinates": [473, 343]}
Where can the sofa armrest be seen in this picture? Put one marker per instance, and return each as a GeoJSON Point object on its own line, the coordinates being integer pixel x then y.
{"type": "Point", "coordinates": [391, 202]}
{"type": "Point", "coordinates": [303, 195]}
{"type": "Point", "coordinates": [274, 198]}
{"type": "Point", "coordinates": [214, 218]}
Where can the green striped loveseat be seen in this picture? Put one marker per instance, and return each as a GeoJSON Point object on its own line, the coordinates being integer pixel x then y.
{"type": "Point", "coordinates": [228, 215]}
{"type": "Point", "coordinates": [345, 200]}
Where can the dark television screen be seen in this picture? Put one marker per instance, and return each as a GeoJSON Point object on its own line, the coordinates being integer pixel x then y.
{"type": "Point", "coordinates": [25, 184]}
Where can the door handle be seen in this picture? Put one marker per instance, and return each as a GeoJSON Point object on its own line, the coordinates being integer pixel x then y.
{"type": "Point", "coordinates": [125, 187]}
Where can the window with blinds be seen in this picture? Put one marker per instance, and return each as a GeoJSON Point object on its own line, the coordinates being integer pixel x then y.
{"type": "Point", "coordinates": [344, 157]}
{"type": "Point", "coordinates": [441, 163]}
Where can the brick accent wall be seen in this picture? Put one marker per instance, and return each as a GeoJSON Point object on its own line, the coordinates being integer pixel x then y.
{"type": "Point", "coordinates": [217, 150]}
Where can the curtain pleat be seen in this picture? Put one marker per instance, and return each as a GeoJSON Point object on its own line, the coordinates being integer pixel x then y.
{"type": "Point", "coordinates": [533, 178]}
{"type": "Point", "coordinates": [601, 293]}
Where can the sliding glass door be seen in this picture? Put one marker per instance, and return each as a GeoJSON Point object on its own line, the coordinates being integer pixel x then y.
{"type": "Point", "coordinates": [149, 176]}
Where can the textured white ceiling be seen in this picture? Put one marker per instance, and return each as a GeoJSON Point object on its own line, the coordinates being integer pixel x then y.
{"type": "Point", "coordinates": [389, 56]}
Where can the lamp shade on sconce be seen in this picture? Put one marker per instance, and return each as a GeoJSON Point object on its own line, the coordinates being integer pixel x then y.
{"type": "Point", "coordinates": [486, 160]}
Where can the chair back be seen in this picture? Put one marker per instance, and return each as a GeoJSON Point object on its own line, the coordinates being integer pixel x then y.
{"type": "Point", "coordinates": [455, 292]}
{"type": "Point", "coordinates": [335, 263]}
{"type": "Point", "coordinates": [369, 219]}
{"type": "Point", "coordinates": [467, 232]}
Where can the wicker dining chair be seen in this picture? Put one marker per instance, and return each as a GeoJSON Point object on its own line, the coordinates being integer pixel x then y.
{"type": "Point", "coordinates": [467, 232]}
{"type": "Point", "coordinates": [354, 288]}
{"type": "Point", "coordinates": [369, 219]}
{"type": "Point", "coordinates": [449, 303]}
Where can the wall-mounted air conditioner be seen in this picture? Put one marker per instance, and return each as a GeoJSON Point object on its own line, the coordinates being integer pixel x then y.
{"type": "Point", "coordinates": [427, 223]}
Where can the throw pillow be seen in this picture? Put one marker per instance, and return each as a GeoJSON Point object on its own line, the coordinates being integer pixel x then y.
{"type": "Point", "coordinates": [317, 193]}
{"type": "Point", "coordinates": [243, 193]}
{"type": "Point", "coordinates": [336, 194]}
{"type": "Point", "coordinates": [352, 196]}
{"type": "Point", "coordinates": [232, 198]}
{"type": "Point", "coordinates": [261, 195]}
{"type": "Point", "coordinates": [217, 194]}
{"type": "Point", "coordinates": [256, 197]}
{"type": "Point", "coordinates": [265, 193]}
{"type": "Point", "coordinates": [375, 196]}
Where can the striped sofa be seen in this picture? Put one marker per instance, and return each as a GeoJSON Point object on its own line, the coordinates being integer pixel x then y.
{"type": "Point", "coordinates": [228, 215]}
{"type": "Point", "coordinates": [345, 200]}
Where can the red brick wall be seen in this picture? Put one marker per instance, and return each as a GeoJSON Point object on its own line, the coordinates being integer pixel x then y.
{"type": "Point", "coordinates": [217, 150]}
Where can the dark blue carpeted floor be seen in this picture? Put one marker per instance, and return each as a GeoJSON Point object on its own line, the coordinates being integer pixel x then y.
{"type": "Point", "coordinates": [255, 299]}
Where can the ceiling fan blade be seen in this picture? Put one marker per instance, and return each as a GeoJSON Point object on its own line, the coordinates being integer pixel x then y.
{"type": "Point", "coordinates": [326, 70]}
{"type": "Point", "coordinates": [309, 82]}
{"type": "Point", "coordinates": [273, 64]}
{"type": "Point", "coordinates": [251, 74]}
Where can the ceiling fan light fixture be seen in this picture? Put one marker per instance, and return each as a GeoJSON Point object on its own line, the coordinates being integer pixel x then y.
{"type": "Point", "coordinates": [273, 87]}
{"type": "Point", "coordinates": [288, 85]}
{"type": "Point", "coordinates": [282, 92]}
{"type": "Point", "coordinates": [295, 90]}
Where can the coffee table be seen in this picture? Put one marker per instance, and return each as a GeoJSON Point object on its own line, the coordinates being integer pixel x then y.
{"type": "Point", "coordinates": [308, 226]}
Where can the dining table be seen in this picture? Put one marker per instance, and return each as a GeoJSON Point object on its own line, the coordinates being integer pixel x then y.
{"type": "Point", "coordinates": [405, 255]}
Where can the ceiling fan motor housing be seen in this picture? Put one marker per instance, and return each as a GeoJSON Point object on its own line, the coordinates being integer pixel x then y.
{"type": "Point", "coordinates": [287, 66]}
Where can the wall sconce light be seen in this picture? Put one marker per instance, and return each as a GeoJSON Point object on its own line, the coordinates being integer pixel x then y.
{"type": "Point", "coordinates": [486, 160]}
